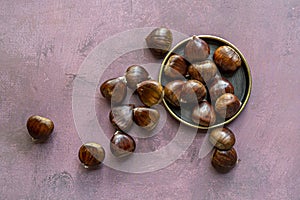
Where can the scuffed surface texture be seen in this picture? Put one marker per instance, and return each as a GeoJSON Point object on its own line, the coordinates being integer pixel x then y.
{"type": "Point", "coordinates": [42, 45]}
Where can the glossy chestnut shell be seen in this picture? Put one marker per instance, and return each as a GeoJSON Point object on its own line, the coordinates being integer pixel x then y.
{"type": "Point", "coordinates": [121, 117]}
{"type": "Point", "coordinates": [91, 155]}
{"type": "Point", "coordinates": [159, 41]}
{"type": "Point", "coordinates": [193, 91]}
{"type": "Point", "coordinates": [176, 67]}
{"type": "Point", "coordinates": [134, 75]}
{"type": "Point", "coordinates": [150, 92]}
{"type": "Point", "coordinates": [114, 90]}
{"type": "Point", "coordinates": [146, 118]}
{"type": "Point", "coordinates": [227, 105]}
{"type": "Point", "coordinates": [172, 92]}
{"type": "Point", "coordinates": [224, 161]}
{"type": "Point", "coordinates": [227, 59]}
{"type": "Point", "coordinates": [196, 50]}
{"type": "Point", "coordinates": [222, 138]}
{"type": "Point", "coordinates": [39, 128]}
{"type": "Point", "coordinates": [204, 114]}
{"type": "Point", "coordinates": [219, 87]}
{"type": "Point", "coordinates": [122, 144]}
{"type": "Point", "coordinates": [203, 71]}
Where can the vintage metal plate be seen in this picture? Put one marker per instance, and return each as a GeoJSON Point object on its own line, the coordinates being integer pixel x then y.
{"type": "Point", "coordinates": [241, 80]}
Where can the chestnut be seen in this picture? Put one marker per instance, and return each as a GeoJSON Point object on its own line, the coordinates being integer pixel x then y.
{"type": "Point", "coordinates": [146, 118]}
{"type": "Point", "coordinates": [224, 161]}
{"type": "Point", "coordinates": [114, 90]}
{"type": "Point", "coordinates": [39, 128]}
{"type": "Point", "coordinates": [204, 114]}
{"type": "Point", "coordinates": [150, 92]}
{"type": "Point", "coordinates": [159, 42]}
{"type": "Point", "coordinates": [218, 87]}
{"type": "Point", "coordinates": [193, 91]}
{"type": "Point", "coordinates": [121, 117]}
{"type": "Point", "coordinates": [172, 92]}
{"type": "Point", "coordinates": [222, 138]}
{"type": "Point", "coordinates": [227, 59]}
{"type": "Point", "coordinates": [203, 71]}
{"type": "Point", "coordinates": [176, 67]}
{"type": "Point", "coordinates": [134, 75]}
{"type": "Point", "coordinates": [227, 105]}
{"type": "Point", "coordinates": [122, 144]}
{"type": "Point", "coordinates": [196, 49]}
{"type": "Point", "coordinates": [91, 155]}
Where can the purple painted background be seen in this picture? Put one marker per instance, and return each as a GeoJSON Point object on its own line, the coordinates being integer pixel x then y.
{"type": "Point", "coordinates": [42, 43]}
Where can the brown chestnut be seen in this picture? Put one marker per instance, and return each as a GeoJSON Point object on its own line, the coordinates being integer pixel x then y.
{"type": "Point", "coordinates": [227, 59]}
{"type": "Point", "coordinates": [146, 118]}
{"type": "Point", "coordinates": [193, 91]}
{"type": "Point", "coordinates": [222, 138]}
{"type": "Point", "coordinates": [134, 75]}
{"type": "Point", "coordinates": [121, 117]}
{"type": "Point", "coordinates": [203, 71]}
{"type": "Point", "coordinates": [159, 42]}
{"type": "Point", "coordinates": [150, 92]}
{"type": "Point", "coordinates": [39, 128]}
{"type": "Point", "coordinates": [91, 155]}
{"type": "Point", "coordinates": [224, 161]}
{"type": "Point", "coordinates": [114, 90]}
{"type": "Point", "coordinates": [122, 144]}
{"type": "Point", "coordinates": [196, 49]}
{"type": "Point", "coordinates": [172, 92]}
{"type": "Point", "coordinates": [176, 67]}
{"type": "Point", "coordinates": [218, 87]}
{"type": "Point", "coordinates": [227, 105]}
{"type": "Point", "coordinates": [204, 114]}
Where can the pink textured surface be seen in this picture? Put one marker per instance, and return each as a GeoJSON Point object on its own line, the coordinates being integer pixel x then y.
{"type": "Point", "coordinates": [43, 42]}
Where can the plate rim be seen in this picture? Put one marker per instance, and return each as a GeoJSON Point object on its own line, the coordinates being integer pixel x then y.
{"type": "Point", "coordinates": [211, 37]}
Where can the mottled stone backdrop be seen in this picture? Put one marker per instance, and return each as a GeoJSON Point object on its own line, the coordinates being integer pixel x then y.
{"type": "Point", "coordinates": [42, 46]}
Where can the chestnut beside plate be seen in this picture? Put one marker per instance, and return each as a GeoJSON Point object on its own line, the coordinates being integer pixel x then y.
{"type": "Point", "coordinates": [241, 79]}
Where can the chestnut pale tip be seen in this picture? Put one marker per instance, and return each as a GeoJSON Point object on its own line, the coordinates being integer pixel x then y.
{"type": "Point", "coordinates": [91, 155]}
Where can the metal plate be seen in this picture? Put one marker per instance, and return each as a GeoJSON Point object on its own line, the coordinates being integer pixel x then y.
{"type": "Point", "coordinates": [241, 80]}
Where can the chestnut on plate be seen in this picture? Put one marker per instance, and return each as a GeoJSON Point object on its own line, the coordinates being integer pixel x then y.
{"type": "Point", "coordinates": [196, 50]}
{"type": "Point", "coordinates": [122, 144]}
{"type": "Point", "coordinates": [222, 138]}
{"type": "Point", "coordinates": [176, 67]}
{"type": "Point", "coordinates": [227, 105]}
{"type": "Point", "coordinates": [224, 161]}
{"type": "Point", "coordinates": [114, 90]}
{"type": "Point", "coordinates": [204, 114]}
{"type": "Point", "coordinates": [172, 92]}
{"type": "Point", "coordinates": [219, 87]}
{"type": "Point", "coordinates": [227, 59]}
{"type": "Point", "coordinates": [193, 91]}
{"type": "Point", "coordinates": [91, 155]}
{"type": "Point", "coordinates": [39, 128]}
{"type": "Point", "coordinates": [203, 71]}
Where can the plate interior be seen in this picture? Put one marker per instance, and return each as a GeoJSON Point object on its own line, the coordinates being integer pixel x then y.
{"type": "Point", "coordinates": [241, 80]}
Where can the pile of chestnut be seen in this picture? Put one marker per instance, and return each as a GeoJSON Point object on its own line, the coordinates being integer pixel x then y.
{"type": "Point", "coordinates": [193, 81]}
{"type": "Point", "coordinates": [122, 116]}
